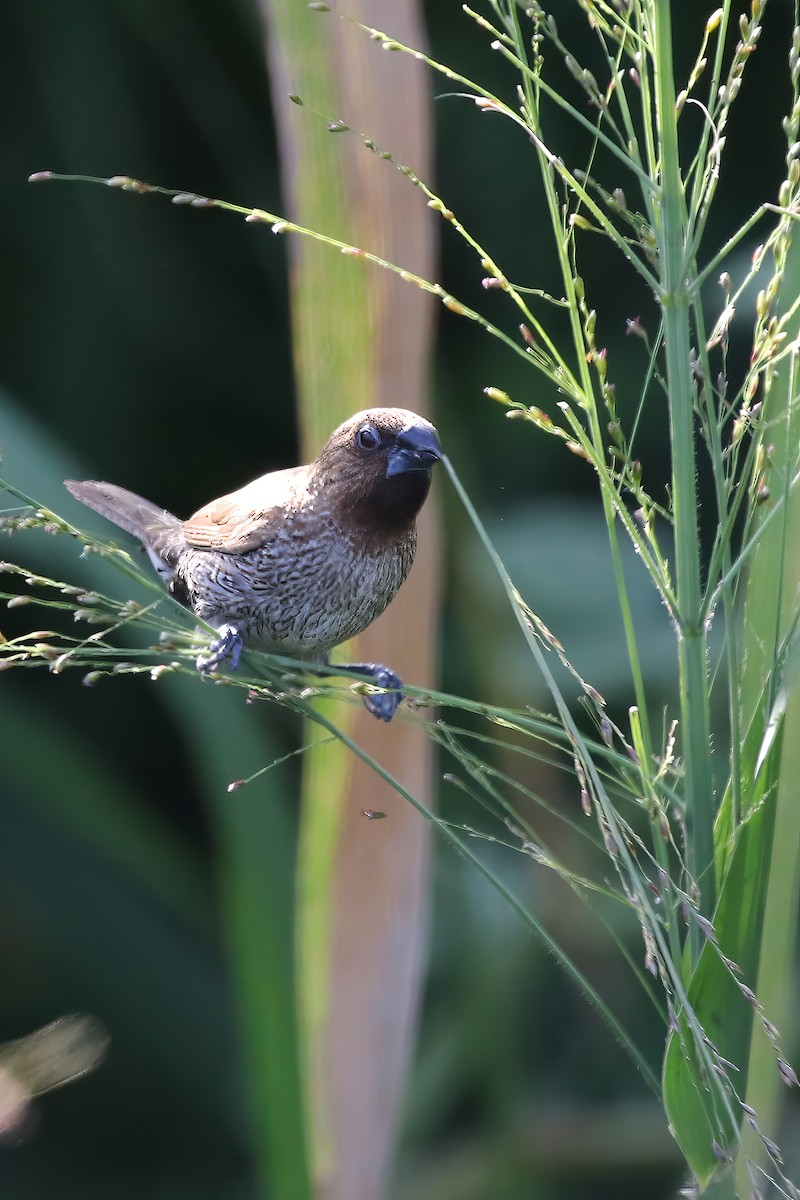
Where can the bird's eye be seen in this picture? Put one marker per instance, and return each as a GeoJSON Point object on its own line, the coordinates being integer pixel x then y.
{"type": "Point", "coordinates": [368, 438]}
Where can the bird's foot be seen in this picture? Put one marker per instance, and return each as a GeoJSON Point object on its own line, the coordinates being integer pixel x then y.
{"type": "Point", "coordinates": [228, 645]}
{"type": "Point", "coordinates": [383, 705]}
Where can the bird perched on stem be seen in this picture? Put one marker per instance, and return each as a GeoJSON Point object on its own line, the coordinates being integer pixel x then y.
{"type": "Point", "coordinates": [298, 560]}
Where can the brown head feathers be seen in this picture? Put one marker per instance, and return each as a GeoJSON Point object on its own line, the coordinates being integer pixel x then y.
{"type": "Point", "coordinates": [375, 469]}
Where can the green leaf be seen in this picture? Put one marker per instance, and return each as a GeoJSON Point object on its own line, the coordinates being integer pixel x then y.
{"type": "Point", "coordinates": [693, 1093]}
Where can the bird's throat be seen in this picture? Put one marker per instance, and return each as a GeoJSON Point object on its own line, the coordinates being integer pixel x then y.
{"type": "Point", "coordinates": [390, 508]}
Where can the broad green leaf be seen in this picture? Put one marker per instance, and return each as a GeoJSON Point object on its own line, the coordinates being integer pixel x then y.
{"type": "Point", "coordinates": [749, 856]}
{"type": "Point", "coordinates": [693, 1097]}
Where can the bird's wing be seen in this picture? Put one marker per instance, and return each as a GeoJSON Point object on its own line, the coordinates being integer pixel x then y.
{"type": "Point", "coordinates": [246, 519]}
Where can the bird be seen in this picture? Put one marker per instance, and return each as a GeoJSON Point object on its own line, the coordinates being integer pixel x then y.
{"type": "Point", "coordinates": [300, 560]}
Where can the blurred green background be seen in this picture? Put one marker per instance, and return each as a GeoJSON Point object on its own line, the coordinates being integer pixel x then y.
{"type": "Point", "coordinates": [149, 345]}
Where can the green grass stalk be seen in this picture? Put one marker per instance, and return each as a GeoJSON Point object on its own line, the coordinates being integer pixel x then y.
{"type": "Point", "coordinates": [675, 298]}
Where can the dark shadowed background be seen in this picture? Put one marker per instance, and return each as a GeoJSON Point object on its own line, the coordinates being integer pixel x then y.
{"type": "Point", "coordinates": [149, 345]}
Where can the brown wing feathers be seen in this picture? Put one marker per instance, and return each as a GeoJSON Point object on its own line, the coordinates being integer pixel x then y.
{"type": "Point", "coordinates": [245, 519]}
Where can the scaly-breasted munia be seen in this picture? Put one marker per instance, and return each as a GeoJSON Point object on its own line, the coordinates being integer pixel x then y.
{"type": "Point", "coordinates": [298, 560]}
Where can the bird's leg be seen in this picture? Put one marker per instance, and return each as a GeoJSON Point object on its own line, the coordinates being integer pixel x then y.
{"type": "Point", "coordinates": [228, 645]}
{"type": "Point", "coordinates": [383, 706]}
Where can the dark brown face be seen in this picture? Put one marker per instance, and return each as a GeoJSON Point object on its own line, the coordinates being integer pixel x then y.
{"type": "Point", "coordinates": [379, 463]}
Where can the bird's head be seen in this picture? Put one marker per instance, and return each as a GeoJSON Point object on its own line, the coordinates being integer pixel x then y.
{"type": "Point", "coordinates": [378, 464]}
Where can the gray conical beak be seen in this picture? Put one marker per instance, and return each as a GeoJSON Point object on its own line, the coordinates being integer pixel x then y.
{"type": "Point", "coordinates": [415, 449]}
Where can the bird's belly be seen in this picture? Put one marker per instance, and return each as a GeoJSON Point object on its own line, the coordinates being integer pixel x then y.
{"type": "Point", "coordinates": [300, 604]}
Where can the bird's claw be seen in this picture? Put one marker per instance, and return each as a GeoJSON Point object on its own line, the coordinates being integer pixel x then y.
{"type": "Point", "coordinates": [382, 705]}
{"type": "Point", "coordinates": [228, 645]}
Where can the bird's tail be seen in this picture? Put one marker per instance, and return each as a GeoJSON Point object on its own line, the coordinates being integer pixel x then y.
{"type": "Point", "coordinates": [157, 529]}
{"type": "Point", "coordinates": [131, 512]}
